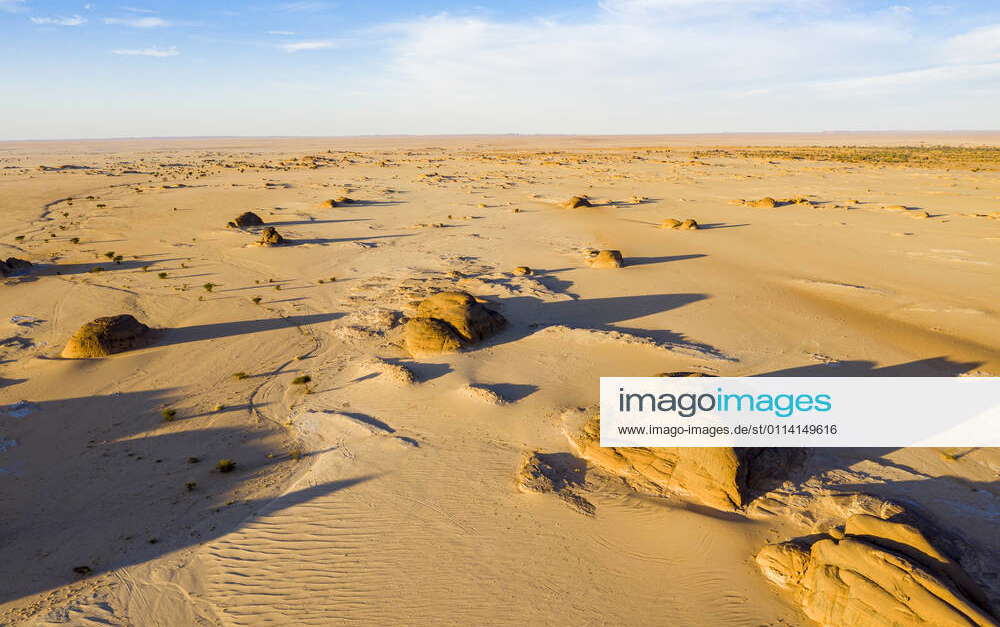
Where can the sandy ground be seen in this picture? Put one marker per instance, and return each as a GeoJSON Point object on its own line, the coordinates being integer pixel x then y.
{"type": "Point", "coordinates": [360, 497]}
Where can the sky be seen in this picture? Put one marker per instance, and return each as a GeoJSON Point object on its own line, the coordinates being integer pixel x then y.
{"type": "Point", "coordinates": [71, 69]}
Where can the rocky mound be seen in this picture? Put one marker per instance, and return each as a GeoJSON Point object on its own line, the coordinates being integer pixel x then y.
{"type": "Point", "coordinates": [107, 336]}
{"type": "Point", "coordinates": [448, 321]}
{"type": "Point", "coordinates": [554, 473]}
{"type": "Point", "coordinates": [723, 478]}
{"type": "Point", "coordinates": [875, 572]}
{"type": "Point", "coordinates": [765, 202]}
{"type": "Point", "coordinates": [329, 203]}
{"type": "Point", "coordinates": [13, 266]}
{"type": "Point", "coordinates": [577, 201]}
{"type": "Point", "coordinates": [271, 237]}
{"type": "Point", "coordinates": [606, 259]}
{"type": "Point", "coordinates": [686, 225]}
{"type": "Point", "coordinates": [246, 219]}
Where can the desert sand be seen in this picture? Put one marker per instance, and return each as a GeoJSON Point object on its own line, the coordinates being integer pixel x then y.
{"type": "Point", "coordinates": [282, 447]}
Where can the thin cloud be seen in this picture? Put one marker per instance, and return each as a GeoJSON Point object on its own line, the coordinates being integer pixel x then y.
{"type": "Point", "coordinates": [286, 33]}
{"type": "Point", "coordinates": [138, 22]}
{"type": "Point", "coordinates": [136, 9]}
{"type": "Point", "coordinates": [148, 52]}
{"type": "Point", "coordinates": [75, 20]}
{"type": "Point", "coordinates": [299, 46]}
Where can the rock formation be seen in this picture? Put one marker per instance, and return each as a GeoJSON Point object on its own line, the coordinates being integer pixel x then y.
{"type": "Point", "coordinates": [672, 223]}
{"type": "Point", "coordinates": [765, 202]}
{"type": "Point", "coordinates": [723, 478]}
{"type": "Point", "coordinates": [248, 218]}
{"type": "Point", "coordinates": [577, 201]}
{"type": "Point", "coordinates": [606, 259]}
{"type": "Point", "coordinates": [271, 237]}
{"type": "Point", "coordinates": [448, 321]}
{"type": "Point", "coordinates": [13, 266]}
{"type": "Point", "coordinates": [107, 336]}
{"type": "Point", "coordinates": [875, 572]}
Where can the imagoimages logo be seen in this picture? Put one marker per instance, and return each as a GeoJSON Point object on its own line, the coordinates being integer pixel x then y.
{"type": "Point", "coordinates": [800, 411]}
{"type": "Point", "coordinates": [687, 405]}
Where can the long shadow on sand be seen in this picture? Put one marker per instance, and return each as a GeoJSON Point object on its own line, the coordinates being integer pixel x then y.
{"type": "Point", "coordinates": [304, 222]}
{"type": "Point", "coordinates": [645, 261]}
{"type": "Point", "coordinates": [200, 332]}
{"type": "Point", "coordinates": [47, 269]}
{"type": "Point", "coordinates": [105, 492]}
{"type": "Point", "coordinates": [528, 314]}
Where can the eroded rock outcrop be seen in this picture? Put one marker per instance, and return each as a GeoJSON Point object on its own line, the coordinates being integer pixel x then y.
{"type": "Point", "coordinates": [577, 201]}
{"type": "Point", "coordinates": [723, 478]}
{"type": "Point", "coordinates": [606, 259]}
{"type": "Point", "coordinates": [271, 237]}
{"type": "Point", "coordinates": [555, 473]}
{"type": "Point", "coordinates": [107, 336]}
{"type": "Point", "coordinates": [247, 219]}
{"type": "Point", "coordinates": [876, 572]}
{"type": "Point", "coordinates": [13, 266]}
{"type": "Point", "coordinates": [682, 225]}
{"type": "Point", "coordinates": [449, 321]}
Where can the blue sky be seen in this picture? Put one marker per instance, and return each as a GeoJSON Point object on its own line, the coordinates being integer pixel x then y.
{"type": "Point", "coordinates": [311, 67]}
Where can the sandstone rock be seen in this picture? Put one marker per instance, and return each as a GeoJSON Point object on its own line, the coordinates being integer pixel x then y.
{"type": "Point", "coordinates": [606, 259]}
{"type": "Point", "coordinates": [329, 204]}
{"type": "Point", "coordinates": [766, 202]}
{"type": "Point", "coordinates": [107, 336]}
{"type": "Point", "coordinates": [448, 321]}
{"type": "Point", "coordinates": [886, 575]}
{"type": "Point", "coordinates": [556, 473]}
{"type": "Point", "coordinates": [248, 218]}
{"type": "Point", "coordinates": [577, 201]}
{"type": "Point", "coordinates": [721, 477]}
{"type": "Point", "coordinates": [13, 266]}
{"type": "Point", "coordinates": [483, 394]}
{"type": "Point", "coordinates": [271, 237]}
{"type": "Point", "coordinates": [344, 200]}
{"type": "Point", "coordinates": [473, 321]}
{"type": "Point", "coordinates": [428, 336]}
{"type": "Point", "coordinates": [686, 225]}
{"type": "Point", "coordinates": [522, 270]}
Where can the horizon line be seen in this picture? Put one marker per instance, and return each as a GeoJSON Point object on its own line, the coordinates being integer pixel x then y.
{"type": "Point", "coordinates": [391, 135]}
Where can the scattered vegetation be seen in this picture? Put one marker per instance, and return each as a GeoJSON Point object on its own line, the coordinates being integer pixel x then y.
{"type": "Point", "coordinates": [209, 287]}
{"type": "Point", "coordinates": [240, 375]}
{"type": "Point", "coordinates": [225, 465]}
{"type": "Point", "coordinates": [975, 159]}
{"type": "Point", "coordinates": [162, 275]}
{"type": "Point", "coordinates": [168, 414]}
{"type": "Point", "coordinates": [301, 379]}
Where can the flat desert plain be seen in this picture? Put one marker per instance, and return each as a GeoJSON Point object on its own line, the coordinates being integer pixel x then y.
{"type": "Point", "coordinates": [274, 449]}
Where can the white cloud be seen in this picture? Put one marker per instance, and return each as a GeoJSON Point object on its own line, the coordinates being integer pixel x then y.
{"type": "Point", "coordinates": [75, 20]}
{"type": "Point", "coordinates": [136, 9]}
{"type": "Point", "coordinates": [138, 22]}
{"type": "Point", "coordinates": [977, 46]}
{"type": "Point", "coordinates": [298, 46]}
{"type": "Point", "coordinates": [149, 52]}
